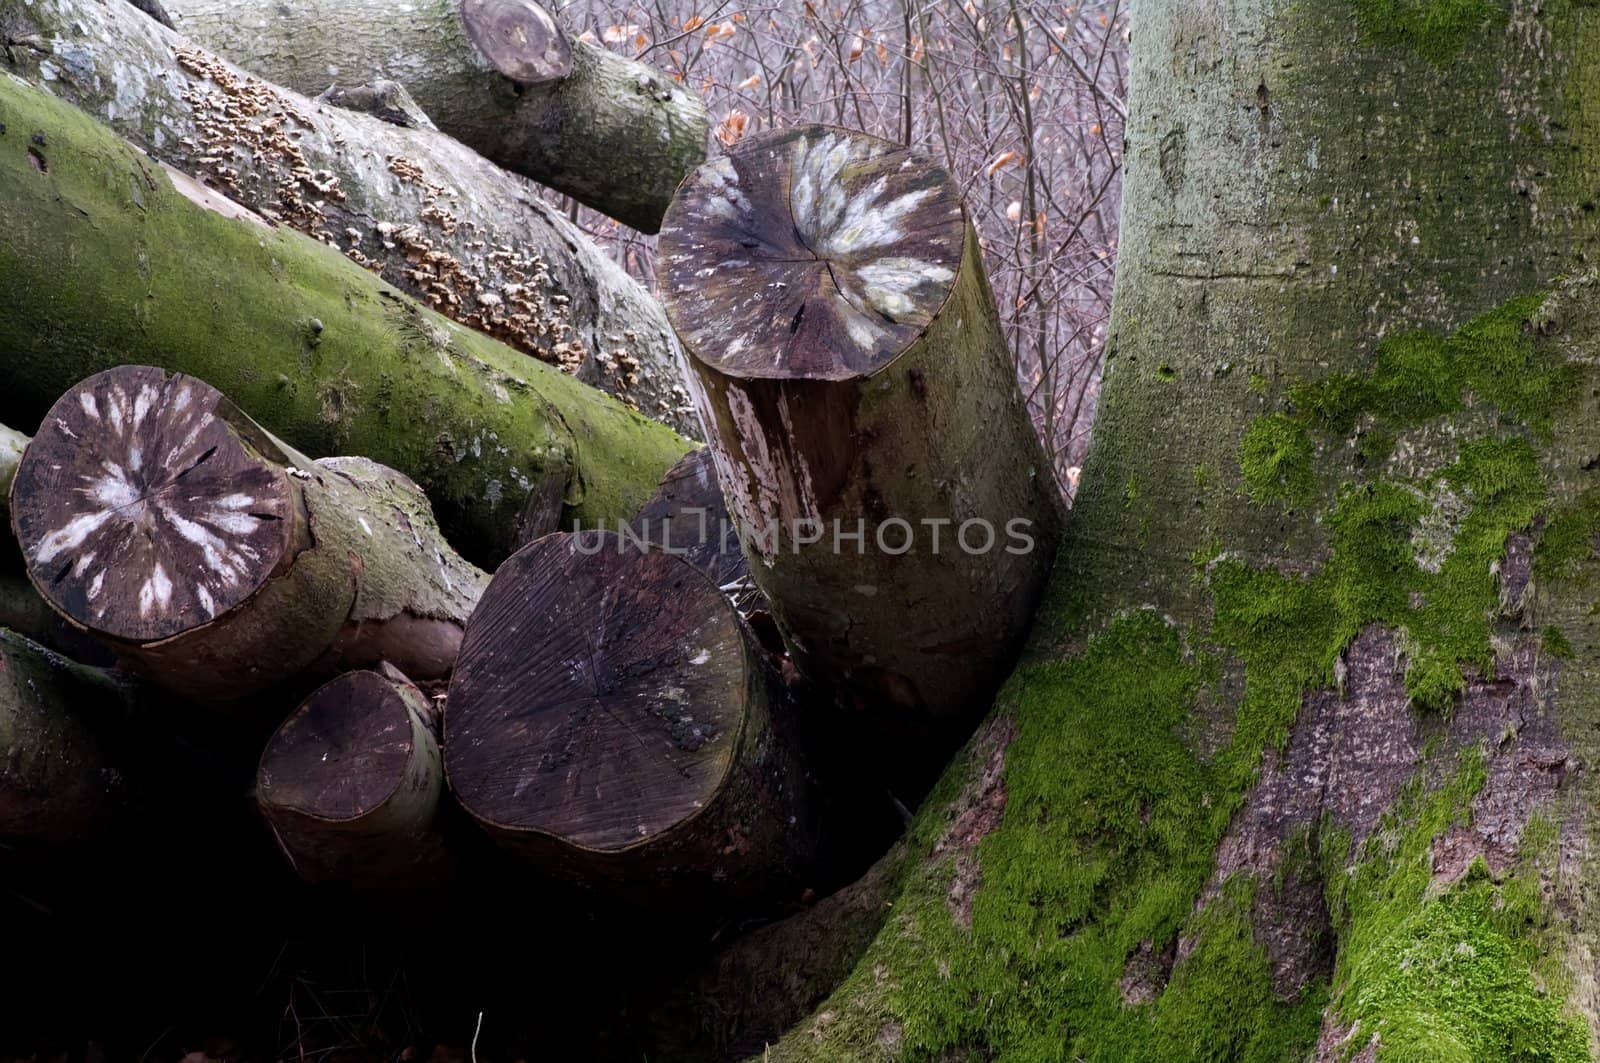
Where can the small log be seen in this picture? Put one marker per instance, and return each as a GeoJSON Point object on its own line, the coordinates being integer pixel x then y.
{"type": "Point", "coordinates": [57, 781]}
{"type": "Point", "coordinates": [611, 720]}
{"type": "Point", "coordinates": [614, 133]}
{"type": "Point", "coordinates": [155, 515]}
{"type": "Point", "coordinates": [432, 217]}
{"type": "Point", "coordinates": [351, 785]}
{"type": "Point", "coordinates": [314, 347]}
{"type": "Point", "coordinates": [851, 371]}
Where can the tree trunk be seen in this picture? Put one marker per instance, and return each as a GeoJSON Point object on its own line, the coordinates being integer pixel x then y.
{"type": "Point", "coordinates": [853, 378]}
{"type": "Point", "coordinates": [351, 785]}
{"type": "Point", "coordinates": [220, 562]}
{"type": "Point", "coordinates": [613, 133]}
{"type": "Point", "coordinates": [57, 781]}
{"type": "Point", "coordinates": [105, 259]}
{"type": "Point", "coordinates": [1300, 761]}
{"type": "Point", "coordinates": [436, 220]}
{"type": "Point", "coordinates": [611, 719]}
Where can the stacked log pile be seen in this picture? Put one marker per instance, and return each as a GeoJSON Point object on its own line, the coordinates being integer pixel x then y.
{"type": "Point", "coordinates": [678, 709]}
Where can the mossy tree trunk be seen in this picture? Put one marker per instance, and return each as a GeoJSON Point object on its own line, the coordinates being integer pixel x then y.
{"type": "Point", "coordinates": [1300, 761]}
{"type": "Point", "coordinates": [107, 259]}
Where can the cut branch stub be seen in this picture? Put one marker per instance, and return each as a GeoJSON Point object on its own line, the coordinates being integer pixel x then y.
{"type": "Point", "coordinates": [609, 718]}
{"type": "Point", "coordinates": [519, 38]}
{"type": "Point", "coordinates": [147, 505]}
{"type": "Point", "coordinates": [351, 783]}
{"type": "Point", "coordinates": [812, 254]}
{"type": "Point", "coordinates": [864, 419]}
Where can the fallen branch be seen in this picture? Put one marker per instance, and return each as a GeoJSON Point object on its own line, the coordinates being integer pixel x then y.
{"type": "Point", "coordinates": [611, 132]}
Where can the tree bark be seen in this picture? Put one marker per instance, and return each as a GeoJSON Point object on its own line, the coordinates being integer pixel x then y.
{"type": "Point", "coordinates": [1300, 763]}
{"type": "Point", "coordinates": [58, 782]}
{"type": "Point", "coordinates": [351, 786]}
{"type": "Point", "coordinates": [850, 370]}
{"type": "Point", "coordinates": [611, 719]}
{"type": "Point", "coordinates": [106, 260]}
{"type": "Point", "coordinates": [433, 218]}
{"type": "Point", "coordinates": [216, 559]}
{"type": "Point", "coordinates": [613, 133]}
{"type": "Point", "coordinates": [688, 516]}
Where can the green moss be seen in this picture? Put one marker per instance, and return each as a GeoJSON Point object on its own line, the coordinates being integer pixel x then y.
{"type": "Point", "coordinates": [1086, 866]}
{"type": "Point", "coordinates": [1275, 456]}
{"type": "Point", "coordinates": [1418, 376]}
{"type": "Point", "coordinates": [1438, 29]}
{"type": "Point", "coordinates": [1446, 974]}
{"type": "Point", "coordinates": [1568, 538]}
{"type": "Point", "coordinates": [1555, 643]}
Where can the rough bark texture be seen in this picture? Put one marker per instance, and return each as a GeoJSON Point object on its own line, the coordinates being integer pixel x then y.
{"type": "Point", "coordinates": [351, 785]}
{"type": "Point", "coordinates": [58, 782]}
{"type": "Point", "coordinates": [612, 719]}
{"type": "Point", "coordinates": [850, 369]}
{"type": "Point", "coordinates": [613, 133]}
{"type": "Point", "coordinates": [431, 217]}
{"type": "Point", "coordinates": [105, 261]}
{"type": "Point", "coordinates": [1302, 759]}
{"type": "Point", "coordinates": [214, 558]}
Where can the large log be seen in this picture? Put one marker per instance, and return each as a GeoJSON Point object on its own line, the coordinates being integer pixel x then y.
{"type": "Point", "coordinates": [613, 133]}
{"type": "Point", "coordinates": [851, 372]}
{"type": "Point", "coordinates": [216, 559]}
{"type": "Point", "coordinates": [104, 261]}
{"type": "Point", "coordinates": [58, 781]}
{"type": "Point", "coordinates": [351, 785]}
{"type": "Point", "coordinates": [611, 719]}
{"type": "Point", "coordinates": [432, 217]}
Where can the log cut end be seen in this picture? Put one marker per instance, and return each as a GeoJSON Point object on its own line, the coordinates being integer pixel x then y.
{"type": "Point", "coordinates": [343, 753]}
{"type": "Point", "coordinates": [147, 506]}
{"type": "Point", "coordinates": [599, 696]}
{"type": "Point", "coordinates": [519, 38]}
{"type": "Point", "coordinates": [811, 253]}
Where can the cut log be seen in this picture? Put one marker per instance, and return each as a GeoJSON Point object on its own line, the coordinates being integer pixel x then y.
{"type": "Point", "coordinates": [351, 785]}
{"type": "Point", "coordinates": [688, 516]}
{"type": "Point", "coordinates": [613, 133]}
{"type": "Point", "coordinates": [216, 559]}
{"type": "Point", "coordinates": [414, 206]}
{"type": "Point", "coordinates": [104, 261]}
{"type": "Point", "coordinates": [57, 782]}
{"type": "Point", "coordinates": [611, 720]}
{"type": "Point", "coordinates": [864, 418]}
